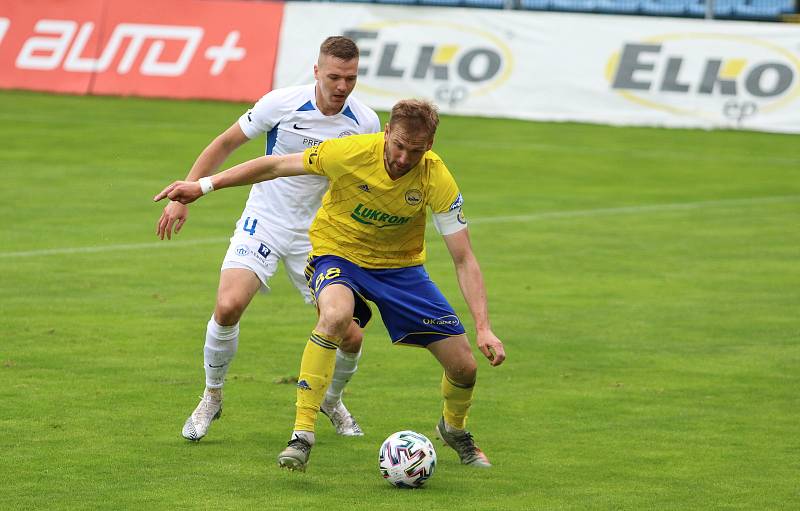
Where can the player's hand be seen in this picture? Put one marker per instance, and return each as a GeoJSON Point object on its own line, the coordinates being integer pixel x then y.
{"type": "Point", "coordinates": [491, 347]}
{"type": "Point", "coordinates": [174, 216]}
{"type": "Point", "coordinates": [184, 192]}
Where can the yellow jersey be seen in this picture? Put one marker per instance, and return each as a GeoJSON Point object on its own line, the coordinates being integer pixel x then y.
{"type": "Point", "coordinates": [368, 218]}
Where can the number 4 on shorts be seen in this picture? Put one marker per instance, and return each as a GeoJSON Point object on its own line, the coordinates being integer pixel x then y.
{"type": "Point", "coordinates": [252, 228]}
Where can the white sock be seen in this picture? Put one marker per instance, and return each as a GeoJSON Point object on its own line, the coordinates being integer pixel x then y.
{"type": "Point", "coordinates": [308, 436]}
{"type": "Point", "coordinates": [219, 350]}
{"type": "Point", "coordinates": [346, 365]}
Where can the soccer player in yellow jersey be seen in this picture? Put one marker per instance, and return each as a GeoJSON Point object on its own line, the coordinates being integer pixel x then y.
{"type": "Point", "coordinates": [368, 246]}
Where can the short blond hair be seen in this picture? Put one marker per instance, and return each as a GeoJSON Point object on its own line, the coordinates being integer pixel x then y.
{"type": "Point", "coordinates": [415, 114]}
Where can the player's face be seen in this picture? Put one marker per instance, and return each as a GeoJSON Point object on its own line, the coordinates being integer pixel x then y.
{"type": "Point", "coordinates": [336, 79]}
{"type": "Point", "coordinates": [403, 149]}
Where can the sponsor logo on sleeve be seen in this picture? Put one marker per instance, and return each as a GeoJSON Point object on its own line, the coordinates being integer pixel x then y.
{"type": "Point", "coordinates": [313, 155]}
{"type": "Point", "coordinates": [456, 203]}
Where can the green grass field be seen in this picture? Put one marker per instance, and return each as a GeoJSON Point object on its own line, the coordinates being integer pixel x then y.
{"type": "Point", "coordinates": [646, 284]}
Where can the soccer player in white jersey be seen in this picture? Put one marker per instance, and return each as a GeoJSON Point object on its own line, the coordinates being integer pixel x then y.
{"type": "Point", "coordinates": [275, 221]}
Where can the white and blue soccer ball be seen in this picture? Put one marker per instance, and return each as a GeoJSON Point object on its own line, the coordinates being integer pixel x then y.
{"type": "Point", "coordinates": [407, 459]}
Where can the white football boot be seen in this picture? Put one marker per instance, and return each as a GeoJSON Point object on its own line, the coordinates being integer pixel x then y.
{"type": "Point", "coordinates": [209, 409]}
{"type": "Point", "coordinates": [341, 419]}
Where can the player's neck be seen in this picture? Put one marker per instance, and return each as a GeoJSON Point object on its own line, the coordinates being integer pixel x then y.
{"type": "Point", "coordinates": [394, 176]}
{"type": "Point", "coordinates": [323, 106]}
{"type": "Point", "coordinates": [327, 110]}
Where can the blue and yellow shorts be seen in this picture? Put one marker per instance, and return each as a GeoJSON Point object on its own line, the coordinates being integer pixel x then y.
{"type": "Point", "coordinates": [413, 309]}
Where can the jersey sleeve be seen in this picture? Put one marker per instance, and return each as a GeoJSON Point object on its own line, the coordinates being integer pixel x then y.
{"type": "Point", "coordinates": [443, 194]}
{"type": "Point", "coordinates": [445, 201]}
{"type": "Point", "coordinates": [325, 159]}
{"type": "Point", "coordinates": [264, 115]}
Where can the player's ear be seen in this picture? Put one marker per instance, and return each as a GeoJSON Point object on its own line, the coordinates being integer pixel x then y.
{"type": "Point", "coordinates": [430, 144]}
{"type": "Point", "coordinates": [316, 72]}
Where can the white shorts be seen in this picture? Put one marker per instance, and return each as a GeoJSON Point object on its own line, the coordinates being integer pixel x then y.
{"type": "Point", "coordinates": [258, 247]}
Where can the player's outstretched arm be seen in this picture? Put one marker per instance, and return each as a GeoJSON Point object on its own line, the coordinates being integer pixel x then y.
{"type": "Point", "coordinates": [470, 279]}
{"type": "Point", "coordinates": [175, 214]}
{"type": "Point", "coordinates": [260, 169]}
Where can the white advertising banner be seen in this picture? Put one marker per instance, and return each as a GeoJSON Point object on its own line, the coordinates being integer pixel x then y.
{"type": "Point", "coordinates": [560, 67]}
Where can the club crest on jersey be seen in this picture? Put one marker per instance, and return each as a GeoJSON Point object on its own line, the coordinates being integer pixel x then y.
{"type": "Point", "coordinates": [242, 250]}
{"type": "Point", "coordinates": [364, 188]}
{"type": "Point", "coordinates": [413, 197]}
{"type": "Point", "coordinates": [365, 215]}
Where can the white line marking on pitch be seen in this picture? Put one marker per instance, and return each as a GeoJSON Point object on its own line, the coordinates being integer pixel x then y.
{"type": "Point", "coordinates": [486, 220]}
{"type": "Point", "coordinates": [637, 209]}
{"type": "Point", "coordinates": [112, 248]}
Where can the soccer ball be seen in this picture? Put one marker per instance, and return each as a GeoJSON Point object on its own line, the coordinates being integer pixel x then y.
{"type": "Point", "coordinates": [407, 459]}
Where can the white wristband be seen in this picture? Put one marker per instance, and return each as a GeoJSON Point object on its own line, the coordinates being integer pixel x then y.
{"type": "Point", "coordinates": [206, 186]}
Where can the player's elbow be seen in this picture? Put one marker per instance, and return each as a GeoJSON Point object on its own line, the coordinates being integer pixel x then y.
{"type": "Point", "coordinates": [464, 259]}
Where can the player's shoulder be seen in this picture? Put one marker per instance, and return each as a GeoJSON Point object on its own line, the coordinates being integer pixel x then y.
{"type": "Point", "coordinates": [293, 92]}
{"type": "Point", "coordinates": [435, 168]}
{"type": "Point", "coordinates": [364, 116]}
{"type": "Point", "coordinates": [362, 147]}
{"type": "Point", "coordinates": [434, 163]}
{"type": "Point", "coordinates": [433, 157]}
{"type": "Point", "coordinates": [286, 99]}
{"type": "Point", "coordinates": [362, 141]}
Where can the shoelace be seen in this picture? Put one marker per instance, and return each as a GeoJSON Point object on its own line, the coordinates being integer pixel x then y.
{"type": "Point", "coordinates": [340, 415]}
{"type": "Point", "coordinates": [337, 414]}
{"type": "Point", "coordinates": [300, 444]}
{"type": "Point", "coordinates": [466, 443]}
{"type": "Point", "coordinates": [206, 402]}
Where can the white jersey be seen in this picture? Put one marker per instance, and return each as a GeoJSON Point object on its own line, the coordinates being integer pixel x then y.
{"type": "Point", "coordinates": [292, 122]}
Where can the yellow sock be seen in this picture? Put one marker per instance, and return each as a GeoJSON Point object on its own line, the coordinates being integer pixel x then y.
{"type": "Point", "coordinates": [316, 372]}
{"type": "Point", "coordinates": [457, 400]}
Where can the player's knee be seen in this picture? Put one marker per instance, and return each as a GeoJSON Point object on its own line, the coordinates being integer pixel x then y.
{"type": "Point", "coordinates": [334, 321]}
{"type": "Point", "coordinates": [351, 342]}
{"type": "Point", "coordinates": [464, 371]}
{"type": "Point", "coordinates": [229, 310]}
